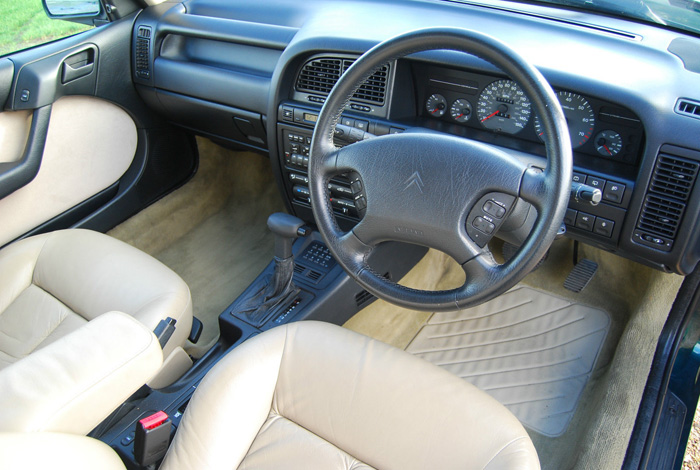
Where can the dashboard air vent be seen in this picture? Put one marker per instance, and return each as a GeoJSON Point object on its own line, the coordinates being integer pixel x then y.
{"type": "Point", "coordinates": [321, 74]}
{"type": "Point", "coordinates": [674, 177]}
{"type": "Point", "coordinates": [688, 108]}
{"type": "Point", "coordinates": [143, 47]}
{"type": "Point", "coordinates": [661, 216]}
{"type": "Point", "coordinates": [665, 201]}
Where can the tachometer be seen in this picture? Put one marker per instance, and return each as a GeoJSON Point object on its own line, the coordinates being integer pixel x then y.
{"type": "Point", "coordinates": [579, 117]}
{"type": "Point", "coordinates": [503, 107]}
{"type": "Point", "coordinates": [436, 105]}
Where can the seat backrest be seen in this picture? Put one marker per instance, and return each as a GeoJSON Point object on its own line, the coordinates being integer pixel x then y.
{"type": "Point", "coordinates": [314, 395]}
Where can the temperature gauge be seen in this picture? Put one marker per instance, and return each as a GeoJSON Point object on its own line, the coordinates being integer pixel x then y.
{"type": "Point", "coordinates": [461, 110]}
{"type": "Point", "coordinates": [608, 143]}
{"type": "Point", "coordinates": [436, 105]}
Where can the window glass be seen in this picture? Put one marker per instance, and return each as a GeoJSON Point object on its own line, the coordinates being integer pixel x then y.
{"type": "Point", "coordinates": [23, 24]}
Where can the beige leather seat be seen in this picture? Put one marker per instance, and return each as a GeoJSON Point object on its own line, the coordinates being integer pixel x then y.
{"type": "Point", "coordinates": [77, 311]}
{"type": "Point", "coordinates": [316, 396]}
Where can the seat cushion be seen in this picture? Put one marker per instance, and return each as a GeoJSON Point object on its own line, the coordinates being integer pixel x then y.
{"type": "Point", "coordinates": [40, 451]}
{"type": "Point", "coordinates": [314, 395]}
{"type": "Point", "coordinates": [52, 284]}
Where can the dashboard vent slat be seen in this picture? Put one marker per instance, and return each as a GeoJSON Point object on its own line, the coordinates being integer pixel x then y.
{"type": "Point", "coordinates": [142, 60]}
{"type": "Point", "coordinates": [688, 108]}
{"type": "Point", "coordinates": [661, 216]}
{"type": "Point", "coordinates": [674, 177]}
{"type": "Point", "coordinates": [321, 74]}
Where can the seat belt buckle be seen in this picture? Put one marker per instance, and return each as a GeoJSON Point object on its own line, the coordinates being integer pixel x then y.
{"type": "Point", "coordinates": [152, 438]}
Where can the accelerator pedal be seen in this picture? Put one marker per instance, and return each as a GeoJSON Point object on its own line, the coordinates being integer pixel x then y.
{"type": "Point", "coordinates": [581, 275]}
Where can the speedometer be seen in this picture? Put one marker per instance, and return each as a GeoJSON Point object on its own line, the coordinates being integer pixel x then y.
{"type": "Point", "coordinates": [580, 118]}
{"type": "Point", "coordinates": [503, 107]}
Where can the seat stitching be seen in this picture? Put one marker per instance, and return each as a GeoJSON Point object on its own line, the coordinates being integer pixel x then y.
{"type": "Point", "coordinates": [279, 370]}
{"type": "Point", "coordinates": [41, 251]}
{"type": "Point", "coordinates": [502, 449]}
{"type": "Point", "coordinates": [34, 348]}
{"type": "Point", "coordinates": [31, 282]}
{"type": "Point", "coordinates": [280, 416]}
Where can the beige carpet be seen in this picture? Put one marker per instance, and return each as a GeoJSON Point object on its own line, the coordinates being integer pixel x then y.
{"type": "Point", "coordinates": [212, 231]}
{"type": "Point", "coordinates": [637, 300]}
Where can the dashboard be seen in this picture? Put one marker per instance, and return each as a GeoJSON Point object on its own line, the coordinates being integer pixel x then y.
{"type": "Point", "coordinates": [256, 75]}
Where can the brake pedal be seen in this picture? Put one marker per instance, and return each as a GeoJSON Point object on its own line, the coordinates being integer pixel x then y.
{"type": "Point", "coordinates": [581, 275]}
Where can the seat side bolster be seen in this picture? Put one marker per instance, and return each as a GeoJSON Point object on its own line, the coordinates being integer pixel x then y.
{"type": "Point", "coordinates": [517, 454]}
{"type": "Point", "coordinates": [230, 406]}
{"type": "Point", "coordinates": [34, 451]}
{"type": "Point", "coordinates": [74, 383]}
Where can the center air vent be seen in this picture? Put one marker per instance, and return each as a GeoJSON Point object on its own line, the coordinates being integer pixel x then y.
{"type": "Point", "coordinates": [665, 202]}
{"type": "Point", "coordinates": [321, 74]}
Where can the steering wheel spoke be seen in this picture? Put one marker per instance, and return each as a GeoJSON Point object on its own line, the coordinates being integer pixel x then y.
{"type": "Point", "coordinates": [533, 187]}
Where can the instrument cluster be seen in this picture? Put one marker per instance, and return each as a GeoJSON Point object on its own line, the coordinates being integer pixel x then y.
{"type": "Point", "coordinates": [499, 105]}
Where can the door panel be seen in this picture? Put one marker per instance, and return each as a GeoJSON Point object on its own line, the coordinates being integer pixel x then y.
{"type": "Point", "coordinates": [78, 146]}
{"type": "Point", "coordinates": [89, 146]}
{"type": "Point", "coordinates": [14, 131]}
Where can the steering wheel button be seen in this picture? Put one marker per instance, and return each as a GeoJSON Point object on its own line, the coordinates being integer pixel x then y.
{"type": "Point", "coordinates": [483, 225]}
{"type": "Point", "coordinates": [494, 209]}
{"type": "Point", "coordinates": [356, 186]}
{"type": "Point", "coordinates": [360, 203]}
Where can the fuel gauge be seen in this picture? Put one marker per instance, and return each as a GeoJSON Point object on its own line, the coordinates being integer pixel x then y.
{"type": "Point", "coordinates": [608, 143]}
{"type": "Point", "coordinates": [436, 105]}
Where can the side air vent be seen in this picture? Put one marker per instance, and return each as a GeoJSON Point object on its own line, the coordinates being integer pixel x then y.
{"type": "Point", "coordinates": [321, 74]}
{"type": "Point", "coordinates": [665, 202]}
{"type": "Point", "coordinates": [674, 177]}
{"type": "Point", "coordinates": [688, 108]}
{"type": "Point", "coordinates": [143, 47]}
{"type": "Point", "coordinates": [661, 216]}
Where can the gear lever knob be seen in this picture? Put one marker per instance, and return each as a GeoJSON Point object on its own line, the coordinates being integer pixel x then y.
{"type": "Point", "coordinates": [286, 228]}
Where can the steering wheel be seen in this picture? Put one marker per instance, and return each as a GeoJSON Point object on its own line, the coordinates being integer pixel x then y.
{"type": "Point", "coordinates": [436, 190]}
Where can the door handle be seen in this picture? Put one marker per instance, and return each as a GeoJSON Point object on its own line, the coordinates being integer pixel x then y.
{"type": "Point", "coordinates": [78, 65]}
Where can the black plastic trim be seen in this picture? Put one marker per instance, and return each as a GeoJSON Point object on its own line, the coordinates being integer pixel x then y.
{"type": "Point", "coordinates": [14, 175]}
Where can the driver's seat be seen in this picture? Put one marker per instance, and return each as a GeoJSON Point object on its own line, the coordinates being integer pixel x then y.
{"type": "Point", "coordinates": [314, 395]}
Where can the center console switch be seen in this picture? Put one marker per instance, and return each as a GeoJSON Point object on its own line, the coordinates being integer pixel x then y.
{"type": "Point", "coordinates": [295, 131]}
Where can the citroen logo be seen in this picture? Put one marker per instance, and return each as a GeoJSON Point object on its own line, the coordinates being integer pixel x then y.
{"type": "Point", "coordinates": [414, 180]}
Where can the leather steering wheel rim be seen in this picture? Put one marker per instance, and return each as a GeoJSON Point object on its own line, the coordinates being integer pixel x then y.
{"type": "Point", "coordinates": [427, 219]}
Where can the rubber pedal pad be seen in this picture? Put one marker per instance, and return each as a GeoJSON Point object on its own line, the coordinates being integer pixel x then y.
{"type": "Point", "coordinates": [581, 275]}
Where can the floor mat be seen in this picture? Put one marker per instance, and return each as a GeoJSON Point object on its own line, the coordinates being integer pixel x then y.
{"type": "Point", "coordinates": [532, 351]}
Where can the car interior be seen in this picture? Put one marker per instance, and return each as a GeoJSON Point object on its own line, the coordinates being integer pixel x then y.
{"type": "Point", "coordinates": [352, 234]}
